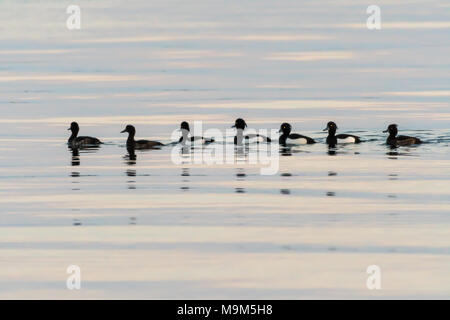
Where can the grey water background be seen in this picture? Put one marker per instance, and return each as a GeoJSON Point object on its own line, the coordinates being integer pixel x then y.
{"type": "Point", "coordinates": [153, 229]}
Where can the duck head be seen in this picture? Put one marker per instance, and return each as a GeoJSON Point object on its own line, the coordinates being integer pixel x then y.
{"type": "Point", "coordinates": [285, 128]}
{"type": "Point", "coordinates": [74, 127]}
{"type": "Point", "coordinates": [239, 124]}
{"type": "Point", "coordinates": [392, 129]}
{"type": "Point", "coordinates": [130, 129]}
{"type": "Point", "coordinates": [331, 127]}
{"type": "Point", "coordinates": [185, 126]}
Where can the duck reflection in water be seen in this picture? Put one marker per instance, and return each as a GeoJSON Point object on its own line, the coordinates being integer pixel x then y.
{"type": "Point", "coordinates": [75, 156]}
{"type": "Point", "coordinates": [241, 153]}
{"type": "Point", "coordinates": [131, 173]}
{"type": "Point", "coordinates": [75, 151]}
{"type": "Point", "coordinates": [286, 151]}
{"type": "Point", "coordinates": [185, 174]}
{"type": "Point", "coordinates": [332, 150]}
{"type": "Point", "coordinates": [130, 158]}
{"type": "Point", "coordinates": [240, 176]}
{"type": "Point", "coordinates": [394, 152]}
{"type": "Point", "coordinates": [186, 151]}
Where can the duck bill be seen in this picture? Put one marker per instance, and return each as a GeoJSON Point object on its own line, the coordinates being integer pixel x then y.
{"type": "Point", "coordinates": [326, 129]}
{"type": "Point", "coordinates": [385, 131]}
{"type": "Point", "coordinates": [124, 130]}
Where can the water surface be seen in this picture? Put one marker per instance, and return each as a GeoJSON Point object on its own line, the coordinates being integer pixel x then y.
{"type": "Point", "coordinates": [149, 228]}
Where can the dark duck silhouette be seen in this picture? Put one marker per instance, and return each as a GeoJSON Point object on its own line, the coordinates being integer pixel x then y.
{"type": "Point", "coordinates": [82, 141]}
{"type": "Point", "coordinates": [334, 138]}
{"type": "Point", "coordinates": [186, 139]}
{"type": "Point", "coordinates": [240, 126]}
{"type": "Point", "coordinates": [139, 144]}
{"type": "Point", "coordinates": [292, 138]}
{"type": "Point", "coordinates": [394, 140]}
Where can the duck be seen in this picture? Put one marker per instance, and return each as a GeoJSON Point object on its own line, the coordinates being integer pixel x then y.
{"type": "Point", "coordinates": [394, 140]}
{"type": "Point", "coordinates": [292, 138]}
{"type": "Point", "coordinates": [185, 139]}
{"type": "Point", "coordinates": [139, 144]}
{"type": "Point", "coordinates": [240, 126]}
{"type": "Point", "coordinates": [83, 141]}
{"type": "Point", "coordinates": [334, 139]}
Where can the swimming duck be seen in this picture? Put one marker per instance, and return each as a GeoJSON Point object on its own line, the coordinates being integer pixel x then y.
{"type": "Point", "coordinates": [334, 139]}
{"type": "Point", "coordinates": [292, 138]}
{"type": "Point", "coordinates": [83, 141]}
{"type": "Point", "coordinates": [139, 144]}
{"type": "Point", "coordinates": [240, 126]}
{"type": "Point", "coordinates": [185, 139]}
{"type": "Point", "coordinates": [394, 140]}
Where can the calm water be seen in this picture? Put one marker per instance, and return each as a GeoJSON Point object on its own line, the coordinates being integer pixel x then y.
{"type": "Point", "coordinates": [149, 228]}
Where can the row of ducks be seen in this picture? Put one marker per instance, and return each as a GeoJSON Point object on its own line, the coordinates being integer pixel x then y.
{"type": "Point", "coordinates": [286, 137]}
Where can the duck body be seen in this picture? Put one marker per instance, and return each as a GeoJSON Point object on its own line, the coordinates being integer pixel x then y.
{"type": "Point", "coordinates": [347, 138]}
{"type": "Point", "coordinates": [295, 138]}
{"type": "Point", "coordinates": [251, 138]}
{"type": "Point", "coordinates": [333, 138]}
{"type": "Point", "coordinates": [82, 141]}
{"type": "Point", "coordinates": [139, 144]}
{"type": "Point", "coordinates": [145, 144]}
{"type": "Point", "coordinates": [194, 140]}
{"type": "Point", "coordinates": [239, 138]}
{"type": "Point", "coordinates": [288, 138]}
{"type": "Point", "coordinates": [186, 139]}
{"type": "Point", "coordinates": [394, 140]}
